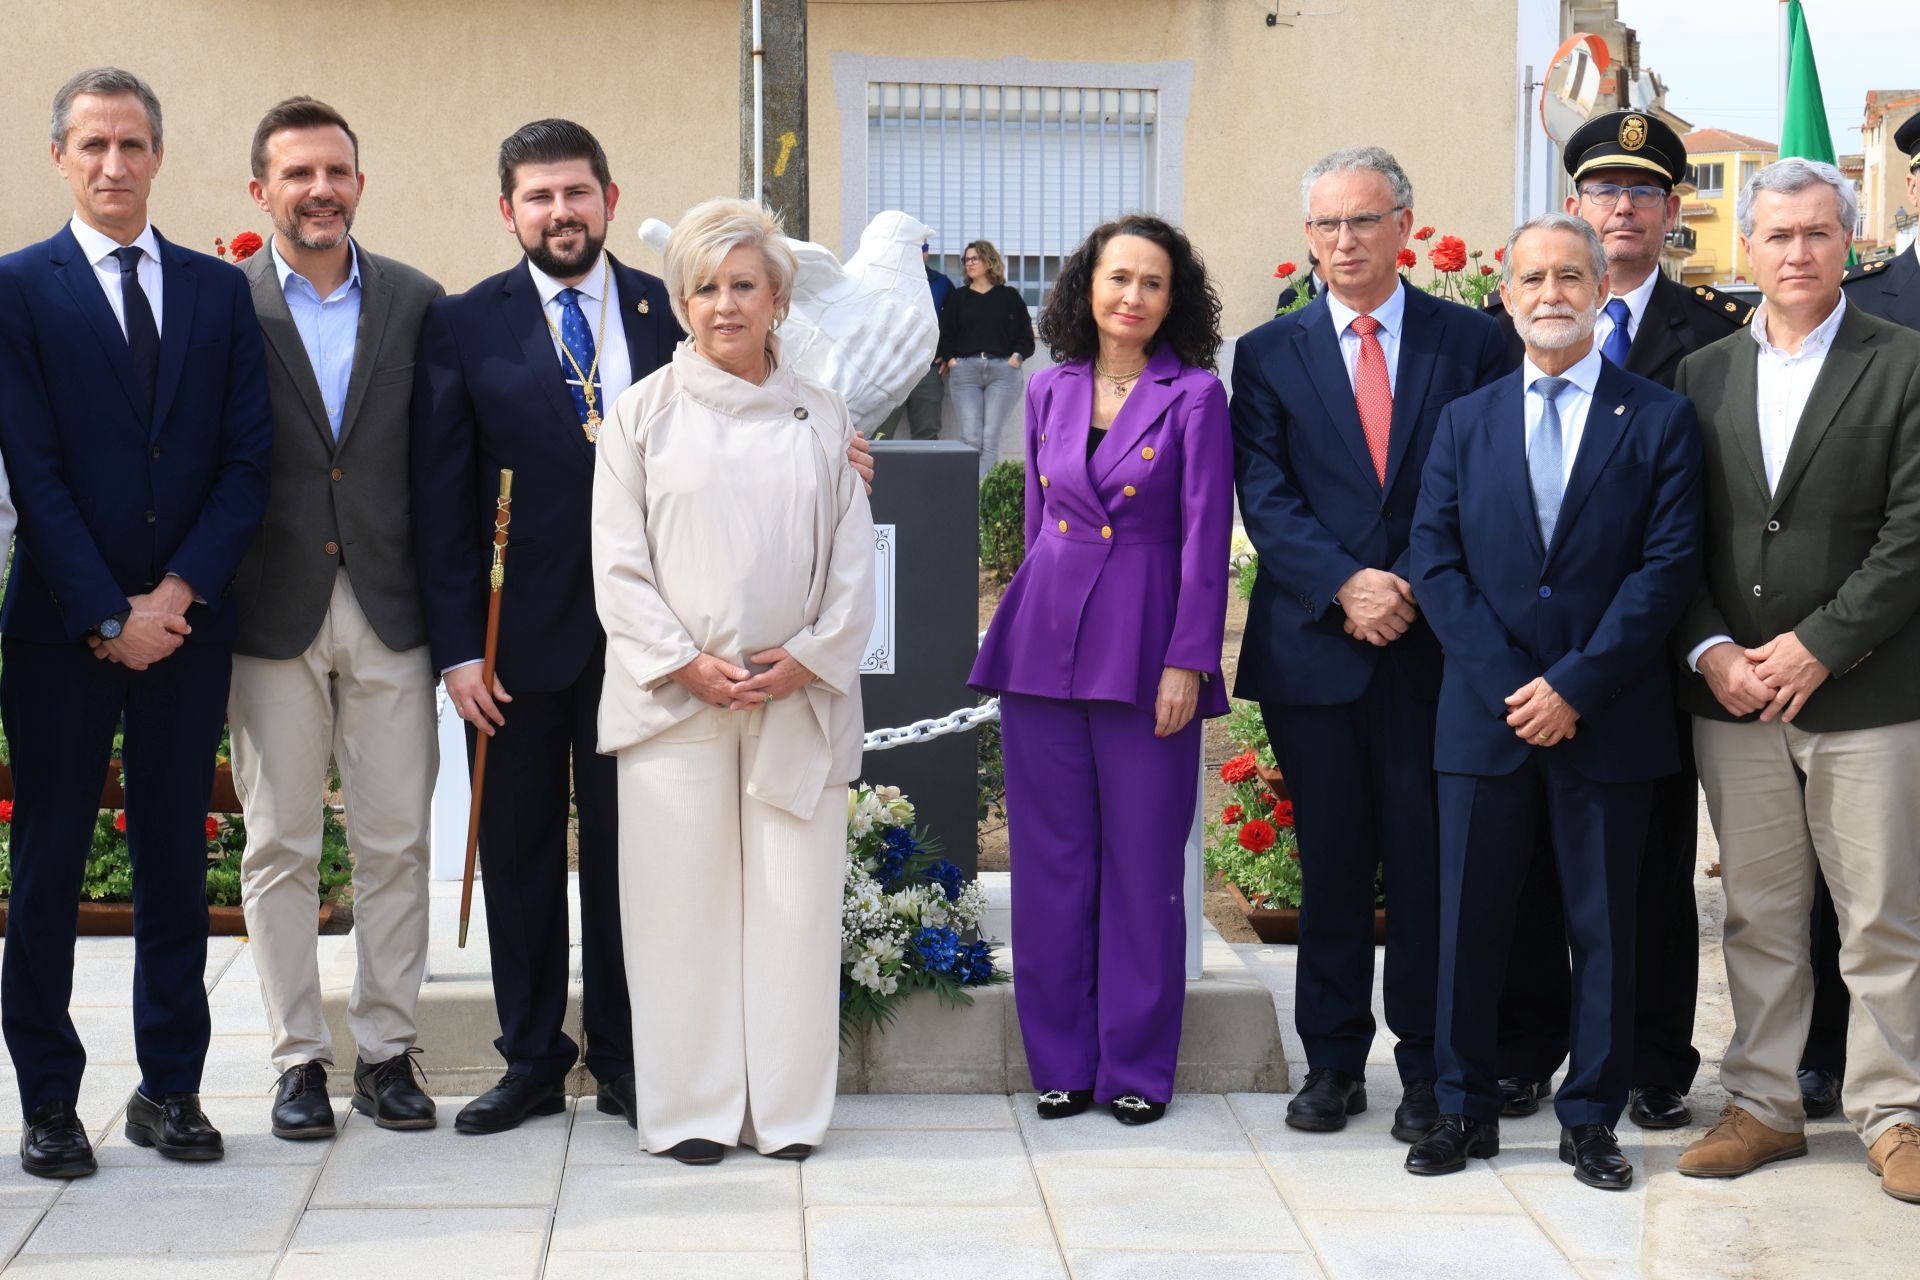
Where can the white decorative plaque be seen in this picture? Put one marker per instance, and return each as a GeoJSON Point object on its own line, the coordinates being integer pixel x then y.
{"type": "Point", "coordinates": [879, 659]}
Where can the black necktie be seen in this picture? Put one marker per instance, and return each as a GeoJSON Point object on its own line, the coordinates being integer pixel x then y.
{"type": "Point", "coordinates": [143, 335]}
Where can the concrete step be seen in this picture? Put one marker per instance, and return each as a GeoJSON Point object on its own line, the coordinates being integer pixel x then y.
{"type": "Point", "coordinates": [1230, 1041]}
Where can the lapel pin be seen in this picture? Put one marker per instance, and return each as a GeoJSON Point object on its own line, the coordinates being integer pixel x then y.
{"type": "Point", "coordinates": [1619, 409]}
{"type": "Point", "coordinates": [641, 306]}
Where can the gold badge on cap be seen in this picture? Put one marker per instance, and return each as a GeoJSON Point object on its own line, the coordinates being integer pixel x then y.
{"type": "Point", "coordinates": [1633, 132]}
{"type": "Point", "coordinates": [642, 308]}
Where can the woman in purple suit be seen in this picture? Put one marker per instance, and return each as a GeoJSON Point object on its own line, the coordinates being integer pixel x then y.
{"type": "Point", "coordinates": [1105, 652]}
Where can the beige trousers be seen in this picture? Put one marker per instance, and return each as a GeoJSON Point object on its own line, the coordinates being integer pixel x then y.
{"type": "Point", "coordinates": [371, 710]}
{"type": "Point", "coordinates": [1783, 800]}
{"type": "Point", "coordinates": [730, 915]}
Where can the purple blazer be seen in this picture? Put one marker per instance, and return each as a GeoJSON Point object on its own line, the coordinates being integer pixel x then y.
{"type": "Point", "coordinates": [1126, 568]}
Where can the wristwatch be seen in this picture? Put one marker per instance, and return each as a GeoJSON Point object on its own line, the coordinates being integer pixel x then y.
{"type": "Point", "coordinates": [112, 627]}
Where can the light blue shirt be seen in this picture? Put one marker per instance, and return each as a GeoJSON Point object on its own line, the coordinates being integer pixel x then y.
{"type": "Point", "coordinates": [328, 329]}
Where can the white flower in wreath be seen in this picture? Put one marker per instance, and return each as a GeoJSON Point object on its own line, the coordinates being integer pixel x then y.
{"type": "Point", "coordinates": [866, 972]}
{"type": "Point", "coordinates": [889, 984]}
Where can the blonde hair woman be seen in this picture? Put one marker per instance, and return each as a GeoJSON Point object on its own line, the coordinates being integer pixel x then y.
{"type": "Point", "coordinates": [985, 332]}
{"type": "Point", "coordinates": [733, 563]}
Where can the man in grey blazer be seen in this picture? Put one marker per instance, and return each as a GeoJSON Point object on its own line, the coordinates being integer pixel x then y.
{"type": "Point", "coordinates": [1805, 639]}
{"type": "Point", "coordinates": [332, 662]}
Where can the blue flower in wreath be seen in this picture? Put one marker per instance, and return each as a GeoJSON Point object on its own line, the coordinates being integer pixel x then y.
{"type": "Point", "coordinates": [949, 877]}
{"type": "Point", "coordinates": [939, 949]}
{"type": "Point", "coordinates": [975, 966]}
{"type": "Point", "coordinates": [896, 846]}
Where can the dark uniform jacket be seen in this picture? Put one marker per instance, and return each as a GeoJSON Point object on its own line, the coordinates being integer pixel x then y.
{"type": "Point", "coordinates": [1888, 288]}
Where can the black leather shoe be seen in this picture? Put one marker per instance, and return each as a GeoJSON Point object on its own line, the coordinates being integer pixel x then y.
{"type": "Point", "coordinates": [1326, 1100]}
{"type": "Point", "coordinates": [54, 1144]}
{"type": "Point", "coordinates": [698, 1151]}
{"type": "Point", "coordinates": [1819, 1093]}
{"type": "Point", "coordinates": [1134, 1108]}
{"type": "Point", "coordinates": [1656, 1106]}
{"type": "Point", "coordinates": [301, 1108]}
{"type": "Point", "coordinates": [1417, 1112]}
{"type": "Point", "coordinates": [508, 1103]}
{"type": "Point", "coordinates": [617, 1098]}
{"type": "Point", "coordinates": [1452, 1139]}
{"type": "Point", "coordinates": [1594, 1153]}
{"type": "Point", "coordinates": [174, 1125]}
{"type": "Point", "coordinates": [388, 1092]}
{"type": "Point", "coordinates": [1058, 1104]}
{"type": "Point", "coordinates": [796, 1152]}
{"type": "Point", "coordinates": [1520, 1096]}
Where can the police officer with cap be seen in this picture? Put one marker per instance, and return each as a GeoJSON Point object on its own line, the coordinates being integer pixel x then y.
{"type": "Point", "coordinates": [1890, 287]}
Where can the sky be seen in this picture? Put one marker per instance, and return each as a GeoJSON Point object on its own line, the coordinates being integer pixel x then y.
{"type": "Point", "coordinates": [1720, 58]}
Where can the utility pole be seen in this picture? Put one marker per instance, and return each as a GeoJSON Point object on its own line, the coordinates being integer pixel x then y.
{"type": "Point", "coordinates": [773, 109]}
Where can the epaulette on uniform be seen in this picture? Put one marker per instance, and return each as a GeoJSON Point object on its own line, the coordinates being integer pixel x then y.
{"type": "Point", "coordinates": [1726, 306]}
{"type": "Point", "coordinates": [1865, 270]}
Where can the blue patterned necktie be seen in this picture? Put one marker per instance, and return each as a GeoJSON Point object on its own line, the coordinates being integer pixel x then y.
{"type": "Point", "coordinates": [1615, 347]}
{"type": "Point", "coordinates": [578, 340]}
{"type": "Point", "coordinates": [1543, 457]}
{"type": "Point", "coordinates": [143, 335]}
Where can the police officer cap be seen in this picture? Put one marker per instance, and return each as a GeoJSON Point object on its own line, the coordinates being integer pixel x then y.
{"type": "Point", "coordinates": [1907, 138]}
{"type": "Point", "coordinates": [1626, 140]}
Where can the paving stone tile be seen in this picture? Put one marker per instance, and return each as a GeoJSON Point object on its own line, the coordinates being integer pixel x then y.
{"type": "Point", "coordinates": [20, 1189]}
{"type": "Point", "coordinates": [1357, 1168]}
{"type": "Point", "coordinates": [375, 1168]}
{"type": "Point", "coordinates": [175, 1208]}
{"type": "Point", "coordinates": [1195, 1209]}
{"type": "Point", "coordinates": [597, 1139]}
{"type": "Point", "coordinates": [1111, 1264]}
{"type": "Point", "coordinates": [144, 1266]}
{"type": "Point", "coordinates": [239, 1067]}
{"type": "Point", "coordinates": [1199, 1131]}
{"type": "Point", "coordinates": [1587, 1224]}
{"type": "Point", "coordinates": [748, 1202]}
{"type": "Point", "coordinates": [103, 980]}
{"type": "Point", "coordinates": [473, 1244]}
{"type": "Point", "coordinates": [961, 1167]}
{"type": "Point", "coordinates": [921, 1112]}
{"type": "Point", "coordinates": [1364, 1246]}
{"type": "Point", "coordinates": [675, 1266]}
{"type": "Point", "coordinates": [17, 1218]}
{"type": "Point", "coordinates": [870, 1243]}
{"type": "Point", "coordinates": [1593, 1270]}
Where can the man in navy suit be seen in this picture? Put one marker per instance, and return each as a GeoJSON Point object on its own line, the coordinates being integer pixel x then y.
{"type": "Point", "coordinates": [1558, 539]}
{"type": "Point", "coordinates": [134, 418]}
{"type": "Point", "coordinates": [1333, 411]}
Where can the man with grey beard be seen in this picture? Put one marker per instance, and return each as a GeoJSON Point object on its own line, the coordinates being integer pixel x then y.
{"type": "Point", "coordinates": [1552, 592]}
{"type": "Point", "coordinates": [331, 662]}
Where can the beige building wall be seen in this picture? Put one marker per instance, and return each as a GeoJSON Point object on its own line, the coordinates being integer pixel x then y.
{"type": "Point", "coordinates": [432, 86]}
{"type": "Point", "coordinates": [1883, 182]}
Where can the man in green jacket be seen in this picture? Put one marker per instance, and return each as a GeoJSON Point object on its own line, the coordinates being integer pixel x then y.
{"type": "Point", "coordinates": [1805, 642]}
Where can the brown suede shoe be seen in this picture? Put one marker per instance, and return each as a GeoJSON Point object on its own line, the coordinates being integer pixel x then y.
{"type": "Point", "coordinates": [1895, 1156]}
{"type": "Point", "coordinates": [1738, 1143]}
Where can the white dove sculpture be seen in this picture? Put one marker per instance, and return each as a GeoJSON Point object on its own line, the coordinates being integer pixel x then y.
{"type": "Point", "coordinates": [867, 329]}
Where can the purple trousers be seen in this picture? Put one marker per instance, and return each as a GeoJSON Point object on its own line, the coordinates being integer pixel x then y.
{"type": "Point", "coordinates": [1098, 811]}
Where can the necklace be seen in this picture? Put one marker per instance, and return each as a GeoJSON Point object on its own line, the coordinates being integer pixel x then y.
{"type": "Point", "coordinates": [591, 427]}
{"type": "Point", "coordinates": [1121, 383]}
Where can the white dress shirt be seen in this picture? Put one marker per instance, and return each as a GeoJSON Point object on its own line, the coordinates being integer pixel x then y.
{"type": "Point", "coordinates": [99, 249]}
{"type": "Point", "coordinates": [1785, 382]}
{"type": "Point", "coordinates": [616, 367]}
{"type": "Point", "coordinates": [1636, 309]}
{"type": "Point", "coordinates": [1573, 402]}
{"type": "Point", "coordinates": [1391, 314]}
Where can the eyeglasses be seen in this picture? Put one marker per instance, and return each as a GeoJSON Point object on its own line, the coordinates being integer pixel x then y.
{"type": "Point", "coordinates": [972, 257]}
{"type": "Point", "coordinates": [1362, 223]}
{"type": "Point", "coordinates": [1607, 195]}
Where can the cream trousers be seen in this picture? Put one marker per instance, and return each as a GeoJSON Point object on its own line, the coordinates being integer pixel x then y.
{"type": "Point", "coordinates": [1783, 800]}
{"type": "Point", "coordinates": [351, 699]}
{"type": "Point", "coordinates": [730, 914]}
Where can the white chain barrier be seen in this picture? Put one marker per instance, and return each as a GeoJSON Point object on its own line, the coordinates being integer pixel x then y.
{"type": "Point", "coordinates": [964, 720]}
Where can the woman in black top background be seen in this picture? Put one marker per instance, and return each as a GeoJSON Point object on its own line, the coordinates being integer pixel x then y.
{"type": "Point", "coordinates": [985, 332]}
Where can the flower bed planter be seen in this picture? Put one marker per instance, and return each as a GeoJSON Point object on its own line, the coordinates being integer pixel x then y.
{"type": "Point", "coordinates": [223, 800]}
{"type": "Point", "coordinates": [1280, 926]}
{"type": "Point", "coordinates": [115, 920]}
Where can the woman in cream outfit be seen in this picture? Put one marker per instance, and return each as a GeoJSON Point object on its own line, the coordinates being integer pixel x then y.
{"type": "Point", "coordinates": [733, 564]}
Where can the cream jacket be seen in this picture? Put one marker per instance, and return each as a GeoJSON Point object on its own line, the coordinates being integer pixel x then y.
{"type": "Point", "coordinates": [727, 520]}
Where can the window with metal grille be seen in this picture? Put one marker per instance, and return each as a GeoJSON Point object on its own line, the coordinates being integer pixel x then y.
{"type": "Point", "coordinates": [1030, 168]}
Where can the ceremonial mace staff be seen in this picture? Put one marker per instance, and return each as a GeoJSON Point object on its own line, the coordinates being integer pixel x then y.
{"type": "Point", "coordinates": [496, 579]}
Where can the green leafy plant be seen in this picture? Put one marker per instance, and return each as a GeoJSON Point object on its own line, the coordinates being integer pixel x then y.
{"type": "Point", "coordinates": [1003, 519]}
{"type": "Point", "coordinates": [990, 775]}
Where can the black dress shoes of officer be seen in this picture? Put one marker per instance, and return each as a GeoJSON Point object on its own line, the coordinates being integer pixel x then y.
{"type": "Point", "coordinates": [1452, 1139]}
{"type": "Point", "coordinates": [617, 1098]}
{"type": "Point", "coordinates": [301, 1108]}
{"type": "Point", "coordinates": [508, 1103]}
{"type": "Point", "coordinates": [1656, 1106]}
{"type": "Point", "coordinates": [698, 1151]}
{"type": "Point", "coordinates": [1058, 1104]}
{"type": "Point", "coordinates": [1819, 1093]}
{"type": "Point", "coordinates": [55, 1144]}
{"type": "Point", "coordinates": [174, 1125]}
{"type": "Point", "coordinates": [1520, 1096]}
{"type": "Point", "coordinates": [388, 1093]}
{"type": "Point", "coordinates": [1326, 1100]}
{"type": "Point", "coordinates": [1417, 1112]}
{"type": "Point", "coordinates": [1594, 1153]}
{"type": "Point", "coordinates": [1134, 1108]}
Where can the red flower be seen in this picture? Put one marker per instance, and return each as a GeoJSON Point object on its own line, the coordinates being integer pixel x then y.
{"type": "Point", "coordinates": [120, 821]}
{"type": "Point", "coordinates": [1232, 813]}
{"type": "Point", "coordinates": [1500, 254]}
{"type": "Point", "coordinates": [1284, 270]}
{"type": "Point", "coordinates": [6, 811]}
{"type": "Point", "coordinates": [1408, 258]}
{"type": "Point", "coordinates": [1268, 800]}
{"type": "Point", "coordinates": [1294, 852]}
{"type": "Point", "coordinates": [220, 246]}
{"type": "Point", "coordinates": [1239, 769]}
{"type": "Point", "coordinates": [1450, 255]}
{"type": "Point", "coordinates": [245, 245]}
{"type": "Point", "coordinates": [1424, 233]}
{"type": "Point", "coordinates": [213, 828]}
{"type": "Point", "coordinates": [1258, 836]}
{"type": "Point", "coordinates": [1486, 271]}
{"type": "Point", "coordinates": [1283, 814]}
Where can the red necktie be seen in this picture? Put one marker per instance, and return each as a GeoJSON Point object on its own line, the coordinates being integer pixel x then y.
{"type": "Point", "coordinates": [1373, 393]}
